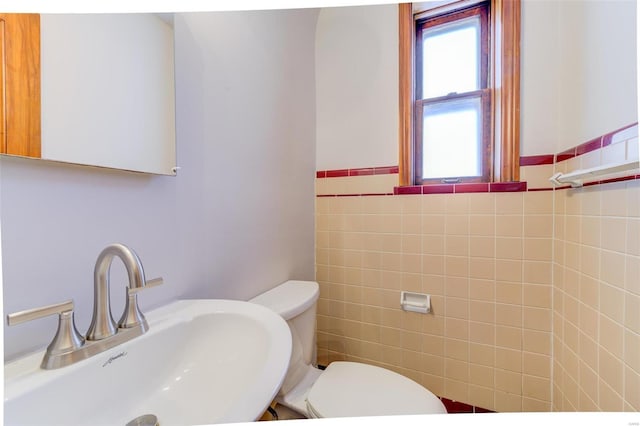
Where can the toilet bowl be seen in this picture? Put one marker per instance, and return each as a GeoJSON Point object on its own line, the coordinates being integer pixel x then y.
{"type": "Point", "coordinates": [343, 389]}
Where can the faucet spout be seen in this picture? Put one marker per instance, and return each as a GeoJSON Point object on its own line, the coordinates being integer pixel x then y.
{"type": "Point", "coordinates": [102, 323]}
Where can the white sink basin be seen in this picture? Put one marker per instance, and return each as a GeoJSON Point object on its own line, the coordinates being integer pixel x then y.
{"type": "Point", "coordinates": [201, 362]}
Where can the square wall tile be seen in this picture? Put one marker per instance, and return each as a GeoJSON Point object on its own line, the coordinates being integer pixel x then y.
{"type": "Point", "coordinates": [537, 176]}
{"type": "Point", "coordinates": [536, 365]}
{"type": "Point", "coordinates": [482, 290]}
{"type": "Point", "coordinates": [538, 202]}
{"type": "Point", "coordinates": [530, 405]}
{"type": "Point", "coordinates": [632, 388]}
{"type": "Point", "coordinates": [609, 399]}
{"type": "Point", "coordinates": [610, 369]}
{"type": "Point", "coordinates": [538, 249]}
{"type": "Point", "coordinates": [506, 402]}
{"type": "Point", "coordinates": [508, 337]}
{"type": "Point", "coordinates": [482, 311]}
{"type": "Point", "coordinates": [456, 390]}
{"type": "Point", "coordinates": [612, 268]}
{"type": "Point", "coordinates": [434, 204]}
{"type": "Point", "coordinates": [481, 396]}
{"type": "Point", "coordinates": [482, 225]}
{"type": "Point", "coordinates": [613, 234]}
{"type": "Point", "coordinates": [536, 341]}
{"type": "Point", "coordinates": [482, 203]}
{"type": "Point", "coordinates": [509, 315]}
{"type": "Point", "coordinates": [633, 244]}
{"type": "Point", "coordinates": [615, 153]}
{"type": "Point", "coordinates": [507, 382]}
{"type": "Point", "coordinates": [614, 199]}
{"type": "Point", "coordinates": [632, 272]}
{"type": "Point", "coordinates": [482, 354]}
{"type": "Point", "coordinates": [509, 226]}
{"type": "Point", "coordinates": [510, 248]}
{"type": "Point", "coordinates": [537, 295]}
{"type": "Point", "coordinates": [457, 204]}
{"type": "Point", "coordinates": [509, 203]}
{"type": "Point", "coordinates": [632, 312]}
{"type": "Point", "coordinates": [538, 226]}
{"type": "Point", "coordinates": [536, 387]}
{"type": "Point", "coordinates": [483, 333]}
{"type": "Point", "coordinates": [508, 293]}
{"type": "Point", "coordinates": [537, 318]}
{"type": "Point", "coordinates": [632, 350]}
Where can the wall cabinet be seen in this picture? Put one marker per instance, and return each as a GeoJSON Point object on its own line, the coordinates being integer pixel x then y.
{"type": "Point", "coordinates": [20, 119]}
{"type": "Point", "coordinates": [91, 89]}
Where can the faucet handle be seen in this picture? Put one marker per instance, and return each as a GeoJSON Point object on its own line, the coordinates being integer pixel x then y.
{"type": "Point", "coordinates": [147, 285]}
{"type": "Point", "coordinates": [41, 312]}
{"type": "Point", "coordinates": [67, 337]}
{"type": "Point", "coordinates": [132, 316]}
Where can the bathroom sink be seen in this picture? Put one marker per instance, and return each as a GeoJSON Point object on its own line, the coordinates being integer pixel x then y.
{"type": "Point", "coordinates": [201, 362]}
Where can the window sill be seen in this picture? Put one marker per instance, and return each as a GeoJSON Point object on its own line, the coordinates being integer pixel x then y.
{"type": "Point", "coordinates": [460, 188]}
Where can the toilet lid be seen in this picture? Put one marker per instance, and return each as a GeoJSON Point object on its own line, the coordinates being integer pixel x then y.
{"type": "Point", "coordinates": [289, 299]}
{"type": "Point", "coordinates": [351, 389]}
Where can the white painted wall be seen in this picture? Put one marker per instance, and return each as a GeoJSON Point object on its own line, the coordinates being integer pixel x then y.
{"type": "Point", "coordinates": [236, 221]}
{"type": "Point", "coordinates": [598, 70]}
{"type": "Point", "coordinates": [357, 87]}
{"type": "Point", "coordinates": [540, 85]}
{"type": "Point", "coordinates": [578, 78]}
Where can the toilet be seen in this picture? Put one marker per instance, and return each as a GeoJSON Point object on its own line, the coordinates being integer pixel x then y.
{"type": "Point", "coordinates": [343, 389]}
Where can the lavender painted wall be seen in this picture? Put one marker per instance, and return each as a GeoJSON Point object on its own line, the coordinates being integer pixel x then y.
{"type": "Point", "coordinates": [236, 221]}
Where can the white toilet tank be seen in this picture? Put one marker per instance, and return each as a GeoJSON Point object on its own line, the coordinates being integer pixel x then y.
{"type": "Point", "coordinates": [296, 302]}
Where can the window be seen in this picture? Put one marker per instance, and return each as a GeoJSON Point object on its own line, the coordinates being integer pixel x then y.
{"type": "Point", "coordinates": [459, 92]}
{"type": "Point", "coordinates": [451, 97]}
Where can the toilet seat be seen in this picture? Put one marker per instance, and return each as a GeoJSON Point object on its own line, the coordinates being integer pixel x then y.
{"type": "Point", "coordinates": [351, 389]}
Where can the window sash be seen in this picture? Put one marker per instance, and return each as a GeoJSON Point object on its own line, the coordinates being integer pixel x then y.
{"type": "Point", "coordinates": [460, 71]}
{"type": "Point", "coordinates": [485, 146]}
{"type": "Point", "coordinates": [453, 19]}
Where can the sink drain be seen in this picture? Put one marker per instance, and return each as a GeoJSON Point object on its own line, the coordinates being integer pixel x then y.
{"type": "Point", "coordinates": [144, 420]}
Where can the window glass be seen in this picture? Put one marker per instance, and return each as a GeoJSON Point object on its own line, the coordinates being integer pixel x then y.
{"type": "Point", "coordinates": [451, 135]}
{"type": "Point", "coordinates": [451, 58]}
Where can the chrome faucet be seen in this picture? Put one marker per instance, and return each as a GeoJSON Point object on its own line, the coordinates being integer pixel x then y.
{"type": "Point", "coordinates": [68, 346]}
{"type": "Point", "coordinates": [102, 324]}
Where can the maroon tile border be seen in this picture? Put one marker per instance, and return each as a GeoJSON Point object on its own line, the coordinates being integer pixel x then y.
{"type": "Point", "coordinates": [459, 188]}
{"type": "Point", "coordinates": [565, 155]}
{"type": "Point", "coordinates": [536, 160]}
{"type": "Point", "coordinates": [450, 188]}
{"type": "Point", "coordinates": [606, 139]}
{"type": "Point", "coordinates": [373, 194]}
{"type": "Point", "coordinates": [470, 187]}
{"type": "Point", "coordinates": [337, 173]}
{"type": "Point", "coordinates": [532, 160]}
{"type": "Point", "coordinates": [457, 407]}
{"type": "Point", "coordinates": [438, 189]}
{"type": "Point", "coordinates": [407, 190]}
{"type": "Point", "coordinates": [363, 171]}
{"type": "Point", "coordinates": [391, 170]}
{"type": "Point", "coordinates": [620, 179]}
{"type": "Point", "coordinates": [507, 186]}
{"type": "Point", "coordinates": [540, 189]}
{"type": "Point", "coordinates": [589, 146]}
{"type": "Point", "coordinates": [462, 188]}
